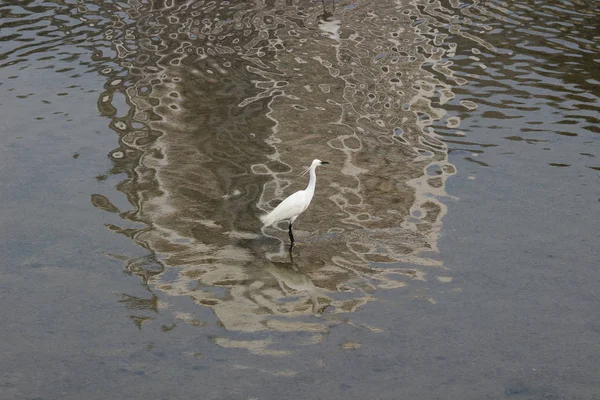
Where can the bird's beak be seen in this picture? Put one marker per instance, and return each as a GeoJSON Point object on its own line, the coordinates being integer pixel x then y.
{"type": "Point", "coordinates": [324, 162]}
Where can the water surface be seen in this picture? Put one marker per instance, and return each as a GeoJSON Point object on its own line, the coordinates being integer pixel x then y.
{"type": "Point", "coordinates": [450, 248]}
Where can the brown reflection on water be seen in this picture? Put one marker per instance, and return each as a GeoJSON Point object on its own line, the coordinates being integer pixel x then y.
{"type": "Point", "coordinates": [228, 103]}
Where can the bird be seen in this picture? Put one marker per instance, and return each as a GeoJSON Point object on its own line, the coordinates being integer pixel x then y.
{"type": "Point", "coordinates": [295, 204]}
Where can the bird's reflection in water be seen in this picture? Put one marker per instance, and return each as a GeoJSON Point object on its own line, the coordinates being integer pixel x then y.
{"type": "Point", "coordinates": [289, 277]}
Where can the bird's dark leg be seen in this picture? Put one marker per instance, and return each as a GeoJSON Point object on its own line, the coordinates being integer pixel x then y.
{"type": "Point", "coordinates": [291, 236]}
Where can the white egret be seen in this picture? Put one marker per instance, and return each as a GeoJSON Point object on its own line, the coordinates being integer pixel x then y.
{"type": "Point", "coordinates": [294, 205]}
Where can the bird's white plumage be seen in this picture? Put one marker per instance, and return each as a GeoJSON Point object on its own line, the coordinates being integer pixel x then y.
{"type": "Point", "coordinates": [294, 205]}
{"type": "Point", "coordinates": [289, 208]}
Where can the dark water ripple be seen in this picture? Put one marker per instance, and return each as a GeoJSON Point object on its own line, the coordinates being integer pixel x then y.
{"type": "Point", "coordinates": [543, 74]}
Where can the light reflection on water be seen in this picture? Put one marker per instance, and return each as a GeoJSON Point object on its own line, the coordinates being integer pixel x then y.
{"type": "Point", "coordinates": [235, 100]}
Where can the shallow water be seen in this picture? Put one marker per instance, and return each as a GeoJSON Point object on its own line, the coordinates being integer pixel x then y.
{"type": "Point", "coordinates": [450, 249]}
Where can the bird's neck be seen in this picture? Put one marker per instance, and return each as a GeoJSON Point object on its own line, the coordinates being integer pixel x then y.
{"type": "Point", "coordinates": [312, 182]}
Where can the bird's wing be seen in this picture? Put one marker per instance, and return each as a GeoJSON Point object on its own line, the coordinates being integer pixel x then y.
{"type": "Point", "coordinates": [288, 208]}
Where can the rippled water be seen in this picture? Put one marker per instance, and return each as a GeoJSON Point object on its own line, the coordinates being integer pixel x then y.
{"type": "Point", "coordinates": [209, 111]}
{"type": "Point", "coordinates": [545, 81]}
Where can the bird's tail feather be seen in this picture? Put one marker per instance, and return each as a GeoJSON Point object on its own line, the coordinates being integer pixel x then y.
{"type": "Point", "coordinates": [267, 219]}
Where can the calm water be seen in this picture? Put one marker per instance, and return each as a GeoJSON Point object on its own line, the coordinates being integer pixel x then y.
{"type": "Point", "coordinates": [451, 249]}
